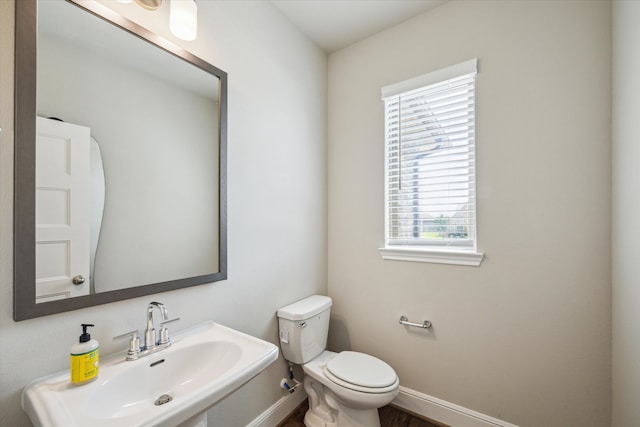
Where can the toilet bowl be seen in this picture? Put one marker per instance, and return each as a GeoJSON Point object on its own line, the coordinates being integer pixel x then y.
{"type": "Point", "coordinates": [348, 389]}
{"type": "Point", "coordinates": [345, 389]}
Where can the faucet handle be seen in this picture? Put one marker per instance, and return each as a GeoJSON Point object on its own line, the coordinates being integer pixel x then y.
{"type": "Point", "coordinates": [134, 344]}
{"type": "Point", "coordinates": [164, 322]}
{"type": "Point", "coordinates": [164, 332]}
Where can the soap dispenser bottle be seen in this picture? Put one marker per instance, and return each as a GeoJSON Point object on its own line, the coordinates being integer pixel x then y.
{"type": "Point", "coordinates": [84, 358]}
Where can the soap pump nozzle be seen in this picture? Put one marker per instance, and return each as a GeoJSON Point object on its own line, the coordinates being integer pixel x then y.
{"type": "Point", "coordinates": [85, 337]}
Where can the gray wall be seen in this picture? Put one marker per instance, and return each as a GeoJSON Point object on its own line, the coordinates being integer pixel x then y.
{"type": "Point", "coordinates": [626, 210]}
{"type": "Point", "coordinates": [277, 207]}
{"type": "Point", "coordinates": [525, 337]}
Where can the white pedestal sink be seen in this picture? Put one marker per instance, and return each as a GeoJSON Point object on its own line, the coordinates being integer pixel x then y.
{"type": "Point", "coordinates": [174, 386]}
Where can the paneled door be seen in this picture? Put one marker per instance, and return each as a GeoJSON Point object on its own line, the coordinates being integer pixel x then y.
{"type": "Point", "coordinates": [62, 210]}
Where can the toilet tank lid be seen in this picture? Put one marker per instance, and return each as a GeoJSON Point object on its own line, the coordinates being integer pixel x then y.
{"type": "Point", "coordinates": [305, 308]}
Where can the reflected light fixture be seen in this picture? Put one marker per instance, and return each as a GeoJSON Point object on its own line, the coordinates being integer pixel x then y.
{"type": "Point", "coordinates": [183, 16]}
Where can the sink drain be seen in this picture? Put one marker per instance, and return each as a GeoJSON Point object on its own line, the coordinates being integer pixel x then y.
{"type": "Point", "coordinates": [165, 398]}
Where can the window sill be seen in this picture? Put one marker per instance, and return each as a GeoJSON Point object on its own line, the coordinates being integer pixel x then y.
{"type": "Point", "coordinates": [438, 256]}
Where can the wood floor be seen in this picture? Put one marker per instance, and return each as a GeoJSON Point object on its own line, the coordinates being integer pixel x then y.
{"type": "Point", "coordinates": [389, 417]}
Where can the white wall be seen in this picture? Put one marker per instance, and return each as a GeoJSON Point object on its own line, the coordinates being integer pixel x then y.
{"type": "Point", "coordinates": [525, 337]}
{"type": "Point", "coordinates": [277, 206]}
{"type": "Point", "coordinates": [626, 209]}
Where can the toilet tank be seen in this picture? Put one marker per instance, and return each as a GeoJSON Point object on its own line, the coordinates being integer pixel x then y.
{"type": "Point", "coordinates": [303, 327]}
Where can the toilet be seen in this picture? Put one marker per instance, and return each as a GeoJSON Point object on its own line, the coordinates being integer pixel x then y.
{"type": "Point", "coordinates": [345, 389]}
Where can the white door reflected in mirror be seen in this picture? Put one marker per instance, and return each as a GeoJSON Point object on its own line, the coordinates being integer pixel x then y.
{"type": "Point", "coordinates": [62, 209]}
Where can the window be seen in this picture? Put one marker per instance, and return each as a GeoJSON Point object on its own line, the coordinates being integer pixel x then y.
{"type": "Point", "coordinates": [430, 197]}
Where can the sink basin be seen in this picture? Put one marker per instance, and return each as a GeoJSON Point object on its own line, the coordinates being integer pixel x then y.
{"type": "Point", "coordinates": [202, 366]}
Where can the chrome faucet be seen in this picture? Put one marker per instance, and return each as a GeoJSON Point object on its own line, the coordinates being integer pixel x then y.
{"type": "Point", "coordinates": [151, 344]}
{"type": "Point", "coordinates": [150, 332]}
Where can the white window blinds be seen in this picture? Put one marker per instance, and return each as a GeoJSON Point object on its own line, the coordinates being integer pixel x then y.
{"type": "Point", "coordinates": [430, 159]}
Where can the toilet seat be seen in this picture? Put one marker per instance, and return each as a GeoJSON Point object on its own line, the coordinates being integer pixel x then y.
{"type": "Point", "coordinates": [361, 372]}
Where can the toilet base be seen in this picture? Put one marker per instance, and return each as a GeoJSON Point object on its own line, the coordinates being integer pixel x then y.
{"type": "Point", "coordinates": [369, 420]}
{"type": "Point", "coordinates": [325, 410]}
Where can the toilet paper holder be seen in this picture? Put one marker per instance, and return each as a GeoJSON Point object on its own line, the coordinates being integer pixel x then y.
{"type": "Point", "coordinates": [424, 325]}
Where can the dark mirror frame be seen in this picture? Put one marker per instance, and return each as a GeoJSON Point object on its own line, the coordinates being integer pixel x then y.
{"type": "Point", "coordinates": [24, 255]}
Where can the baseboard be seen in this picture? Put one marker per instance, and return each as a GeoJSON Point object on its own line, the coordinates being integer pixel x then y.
{"type": "Point", "coordinates": [277, 412]}
{"type": "Point", "coordinates": [410, 400]}
{"type": "Point", "coordinates": [444, 412]}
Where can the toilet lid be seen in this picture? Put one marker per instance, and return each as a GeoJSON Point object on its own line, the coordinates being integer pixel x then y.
{"type": "Point", "coordinates": [362, 369]}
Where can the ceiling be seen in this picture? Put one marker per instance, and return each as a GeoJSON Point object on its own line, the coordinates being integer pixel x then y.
{"type": "Point", "coordinates": [335, 24]}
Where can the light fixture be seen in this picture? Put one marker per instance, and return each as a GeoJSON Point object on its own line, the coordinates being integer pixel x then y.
{"type": "Point", "coordinates": [149, 4]}
{"type": "Point", "coordinates": [146, 4]}
{"type": "Point", "coordinates": [183, 19]}
{"type": "Point", "coordinates": [183, 16]}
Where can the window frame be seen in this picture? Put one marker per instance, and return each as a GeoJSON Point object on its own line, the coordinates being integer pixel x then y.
{"type": "Point", "coordinates": [442, 251]}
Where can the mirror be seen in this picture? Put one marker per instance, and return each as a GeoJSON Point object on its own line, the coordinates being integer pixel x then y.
{"type": "Point", "coordinates": [120, 182]}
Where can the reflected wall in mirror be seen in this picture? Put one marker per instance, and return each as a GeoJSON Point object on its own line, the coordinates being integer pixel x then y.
{"type": "Point", "coordinates": [123, 194]}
